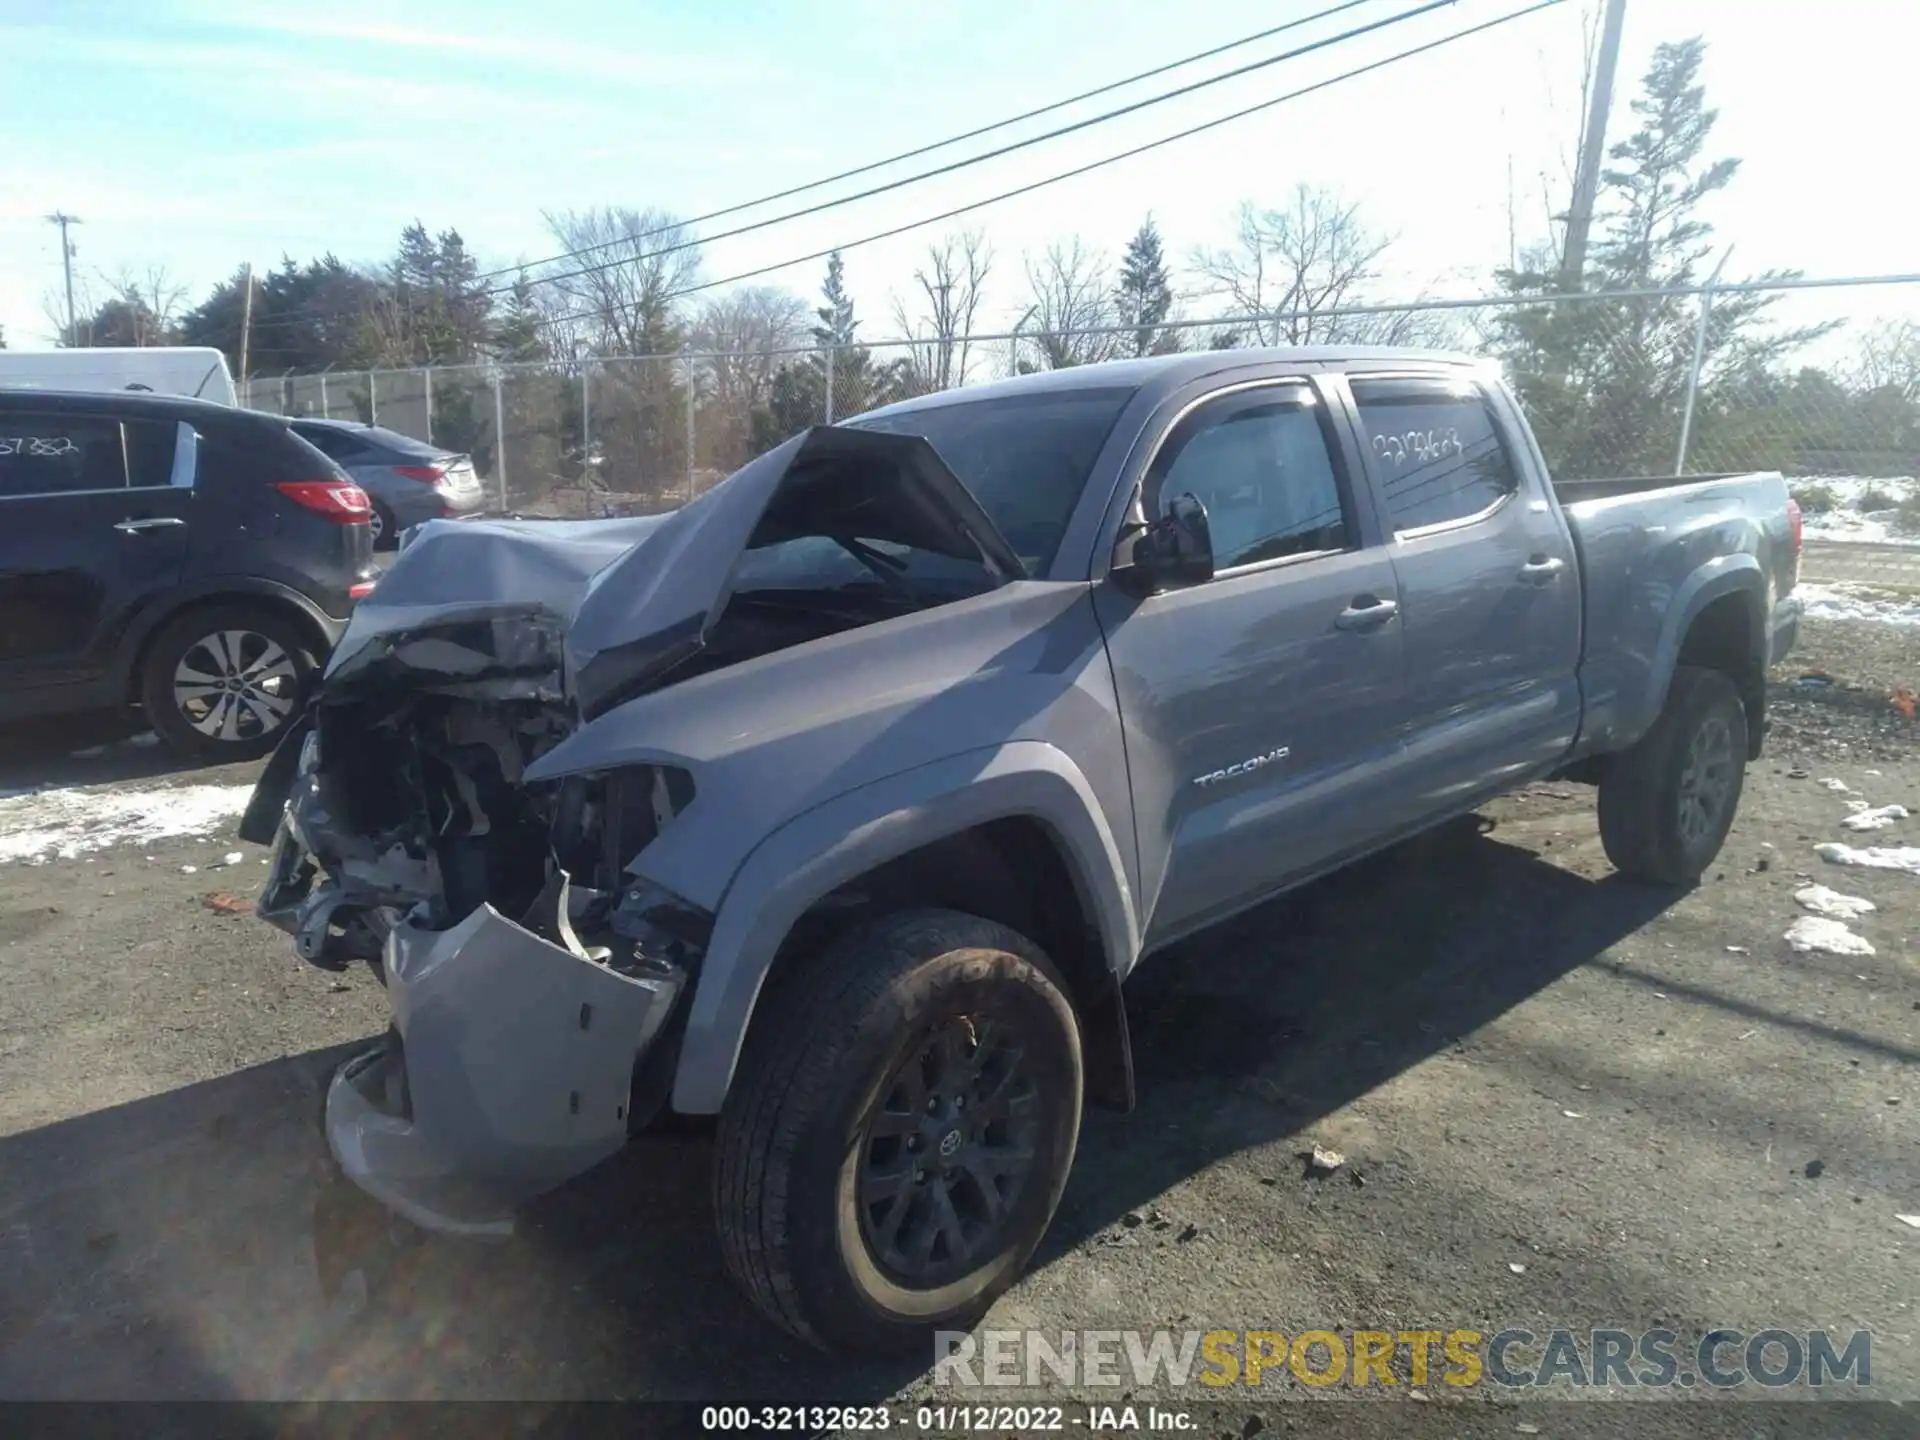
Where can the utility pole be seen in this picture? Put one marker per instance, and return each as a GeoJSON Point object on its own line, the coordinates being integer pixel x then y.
{"type": "Point", "coordinates": [1593, 148]}
{"type": "Point", "coordinates": [63, 220]}
{"type": "Point", "coordinates": [246, 323]}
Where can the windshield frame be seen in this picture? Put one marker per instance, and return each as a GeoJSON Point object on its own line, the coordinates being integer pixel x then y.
{"type": "Point", "coordinates": [909, 421]}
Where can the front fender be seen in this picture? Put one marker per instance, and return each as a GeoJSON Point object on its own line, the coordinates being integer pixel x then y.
{"type": "Point", "coordinates": [823, 848]}
{"type": "Point", "coordinates": [1724, 575]}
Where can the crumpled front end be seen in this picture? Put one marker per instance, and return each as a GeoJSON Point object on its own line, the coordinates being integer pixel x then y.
{"type": "Point", "coordinates": [510, 1070]}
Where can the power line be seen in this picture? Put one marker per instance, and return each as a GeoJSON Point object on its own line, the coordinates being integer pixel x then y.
{"type": "Point", "coordinates": [936, 145]}
{"type": "Point", "coordinates": [888, 234]}
{"type": "Point", "coordinates": [1009, 149]}
{"type": "Point", "coordinates": [546, 322]}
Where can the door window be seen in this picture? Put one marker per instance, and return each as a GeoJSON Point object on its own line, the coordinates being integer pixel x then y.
{"type": "Point", "coordinates": [53, 454]}
{"type": "Point", "coordinates": [1436, 449]}
{"type": "Point", "coordinates": [1260, 464]}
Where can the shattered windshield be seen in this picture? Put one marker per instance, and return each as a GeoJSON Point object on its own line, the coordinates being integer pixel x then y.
{"type": "Point", "coordinates": [1024, 457]}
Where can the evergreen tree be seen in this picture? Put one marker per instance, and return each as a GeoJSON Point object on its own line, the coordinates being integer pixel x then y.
{"type": "Point", "coordinates": [1144, 297]}
{"type": "Point", "coordinates": [1605, 381]}
{"type": "Point", "coordinates": [521, 334]}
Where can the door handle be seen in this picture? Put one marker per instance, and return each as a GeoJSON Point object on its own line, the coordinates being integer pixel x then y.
{"type": "Point", "coordinates": [1370, 616]}
{"type": "Point", "coordinates": [151, 522]}
{"type": "Point", "coordinates": [1542, 568]}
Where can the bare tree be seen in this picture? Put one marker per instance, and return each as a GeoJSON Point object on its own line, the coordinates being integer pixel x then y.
{"type": "Point", "coordinates": [619, 292]}
{"type": "Point", "coordinates": [748, 335]}
{"type": "Point", "coordinates": [1888, 359]}
{"type": "Point", "coordinates": [1068, 295]}
{"type": "Point", "coordinates": [1293, 270]}
{"type": "Point", "coordinates": [951, 285]}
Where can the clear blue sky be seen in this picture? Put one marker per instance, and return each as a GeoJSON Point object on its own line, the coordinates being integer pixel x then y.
{"type": "Point", "coordinates": [195, 134]}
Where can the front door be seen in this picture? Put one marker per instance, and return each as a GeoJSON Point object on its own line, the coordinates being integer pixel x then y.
{"type": "Point", "coordinates": [91, 525]}
{"type": "Point", "coordinates": [1259, 707]}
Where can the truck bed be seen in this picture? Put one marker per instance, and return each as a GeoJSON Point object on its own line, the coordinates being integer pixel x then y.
{"type": "Point", "coordinates": [1651, 550]}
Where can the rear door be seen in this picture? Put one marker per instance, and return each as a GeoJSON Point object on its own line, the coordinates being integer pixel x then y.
{"type": "Point", "coordinates": [1259, 708]}
{"type": "Point", "coordinates": [95, 516]}
{"type": "Point", "coordinates": [1489, 592]}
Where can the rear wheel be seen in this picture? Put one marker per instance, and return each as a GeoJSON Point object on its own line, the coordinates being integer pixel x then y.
{"type": "Point", "coordinates": [223, 682]}
{"type": "Point", "coordinates": [900, 1131]}
{"type": "Point", "coordinates": [1666, 804]}
{"type": "Point", "coordinates": [386, 532]}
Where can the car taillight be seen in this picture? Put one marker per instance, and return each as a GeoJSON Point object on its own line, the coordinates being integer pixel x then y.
{"type": "Point", "coordinates": [425, 474]}
{"type": "Point", "coordinates": [1796, 523]}
{"type": "Point", "coordinates": [341, 501]}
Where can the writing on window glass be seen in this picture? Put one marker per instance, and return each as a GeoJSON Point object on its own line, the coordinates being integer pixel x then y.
{"type": "Point", "coordinates": [49, 447]}
{"type": "Point", "coordinates": [1421, 447]}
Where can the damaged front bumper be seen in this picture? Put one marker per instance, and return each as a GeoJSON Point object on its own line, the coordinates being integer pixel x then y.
{"type": "Point", "coordinates": [510, 1071]}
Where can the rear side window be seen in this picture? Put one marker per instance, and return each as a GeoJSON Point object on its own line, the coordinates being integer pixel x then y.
{"type": "Point", "coordinates": [1436, 449]}
{"type": "Point", "coordinates": [1259, 462]}
{"type": "Point", "coordinates": [54, 454]}
{"type": "Point", "coordinates": [331, 443]}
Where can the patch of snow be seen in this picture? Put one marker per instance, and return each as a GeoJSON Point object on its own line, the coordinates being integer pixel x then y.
{"type": "Point", "coordinates": [1831, 903]}
{"type": "Point", "coordinates": [1877, 819]}
{"type": "Point", "coordinates": [1816, 933]}
{"type": "Point", "coordinates": [1872, 857]}
{"type": "Point", "coordinates": [66, 824]}
{"type": "Point", "coordinates": [1844, 600]}
{"type": "Point", "coordinates": [1846, 521]}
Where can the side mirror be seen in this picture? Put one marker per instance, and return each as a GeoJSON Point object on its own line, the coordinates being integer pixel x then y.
{"type": "Point", "coordinates": [1172, 551]}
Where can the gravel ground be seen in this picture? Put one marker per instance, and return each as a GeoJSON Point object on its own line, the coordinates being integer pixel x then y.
{"type": "Point", "coordinates": [1562, 1100]}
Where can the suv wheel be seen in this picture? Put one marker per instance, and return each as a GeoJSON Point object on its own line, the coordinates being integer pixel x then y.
{"type": "Point", "coordinates": [221, 683]}
{"type": "Point", "coordinates": [381, 522]}
{"type": "Point", "coordinates": [900, 1131]}
{"type": "Point", "coordinates": [1666, 804]}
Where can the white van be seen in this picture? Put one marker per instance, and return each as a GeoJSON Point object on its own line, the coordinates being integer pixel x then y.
{"type": "Point", "coordinates": [195, 370]}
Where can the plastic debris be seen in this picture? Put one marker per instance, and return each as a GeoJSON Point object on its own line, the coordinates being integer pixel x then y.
{"type": "Point", "coordinates": [1812, 933]}
{"type": "Point", "coordinates": [1324, 1161]}
{"type": "Point", "coordinates": [1831, 903]}
{"type": "Point", "coordinates": [1872, 857]}
{"type": "Point", "coordinates": [1839, 787]}
{"type": "Point", "coordinates": [232, 857]}
{"type": "Point", "coordinates": [1573, 1114]}
{"type": "Point", "coordinates": [1913, 1220]}
{"type": "Point", "coordinates": [1877, 819]}
{"type": "Point", "coordinates": [1516, 1267]}
{"type": "Point", "coordinates": [189, 869]}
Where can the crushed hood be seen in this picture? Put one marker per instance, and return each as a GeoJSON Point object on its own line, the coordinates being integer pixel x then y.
{"type": "Point", "coordinates": [626, 600]}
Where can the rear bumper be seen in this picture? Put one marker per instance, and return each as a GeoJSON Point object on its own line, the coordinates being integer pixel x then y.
{"type": "Point", "coordinates": [1786, 628]}
{"type": "Point", "coordinates": [510, 1073]}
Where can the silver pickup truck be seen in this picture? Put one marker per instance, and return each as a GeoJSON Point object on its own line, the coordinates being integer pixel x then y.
{"type": "Point", "coordinates": [840, 802]}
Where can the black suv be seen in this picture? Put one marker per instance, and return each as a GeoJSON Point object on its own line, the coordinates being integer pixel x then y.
{"type": "Point", "coordinates": [190, 558]}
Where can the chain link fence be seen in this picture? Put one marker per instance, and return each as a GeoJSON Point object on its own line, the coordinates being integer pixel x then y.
{"type": "Point", "coordinates": [1686, 381]}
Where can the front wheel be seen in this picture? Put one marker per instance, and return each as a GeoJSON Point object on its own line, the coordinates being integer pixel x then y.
{"type": "Point", "coordinates": [900, 1131]}
{"type": "Point", "coordinates": [221, 683]}
{"type": "Point", "coordinates": [1667, 803]}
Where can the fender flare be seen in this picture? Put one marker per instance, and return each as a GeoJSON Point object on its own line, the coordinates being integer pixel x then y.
{"type": "Point", "coordinates": [1722, 576]}
{"type": "Point", "coordinates": [822, 848]}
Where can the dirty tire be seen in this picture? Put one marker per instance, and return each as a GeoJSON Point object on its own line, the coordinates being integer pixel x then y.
{"type": "Point", "coordinates": [198, 641]}
{"type": "Point", "coordinates": [1646, 793]}
{"type": "Point", "coordinates": [801, 1154]}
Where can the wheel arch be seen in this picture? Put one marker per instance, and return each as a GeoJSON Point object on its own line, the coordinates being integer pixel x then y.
{"type": "Point", "coordinates": [1013, 833]}
{"type": "Point", "coordinates": [319, 628]}
{"type": "Point", "coordinates": [1718, 621]}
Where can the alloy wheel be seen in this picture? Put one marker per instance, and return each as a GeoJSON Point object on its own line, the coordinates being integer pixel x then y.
{"type": "Point", "coordinates": [235, 685]}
